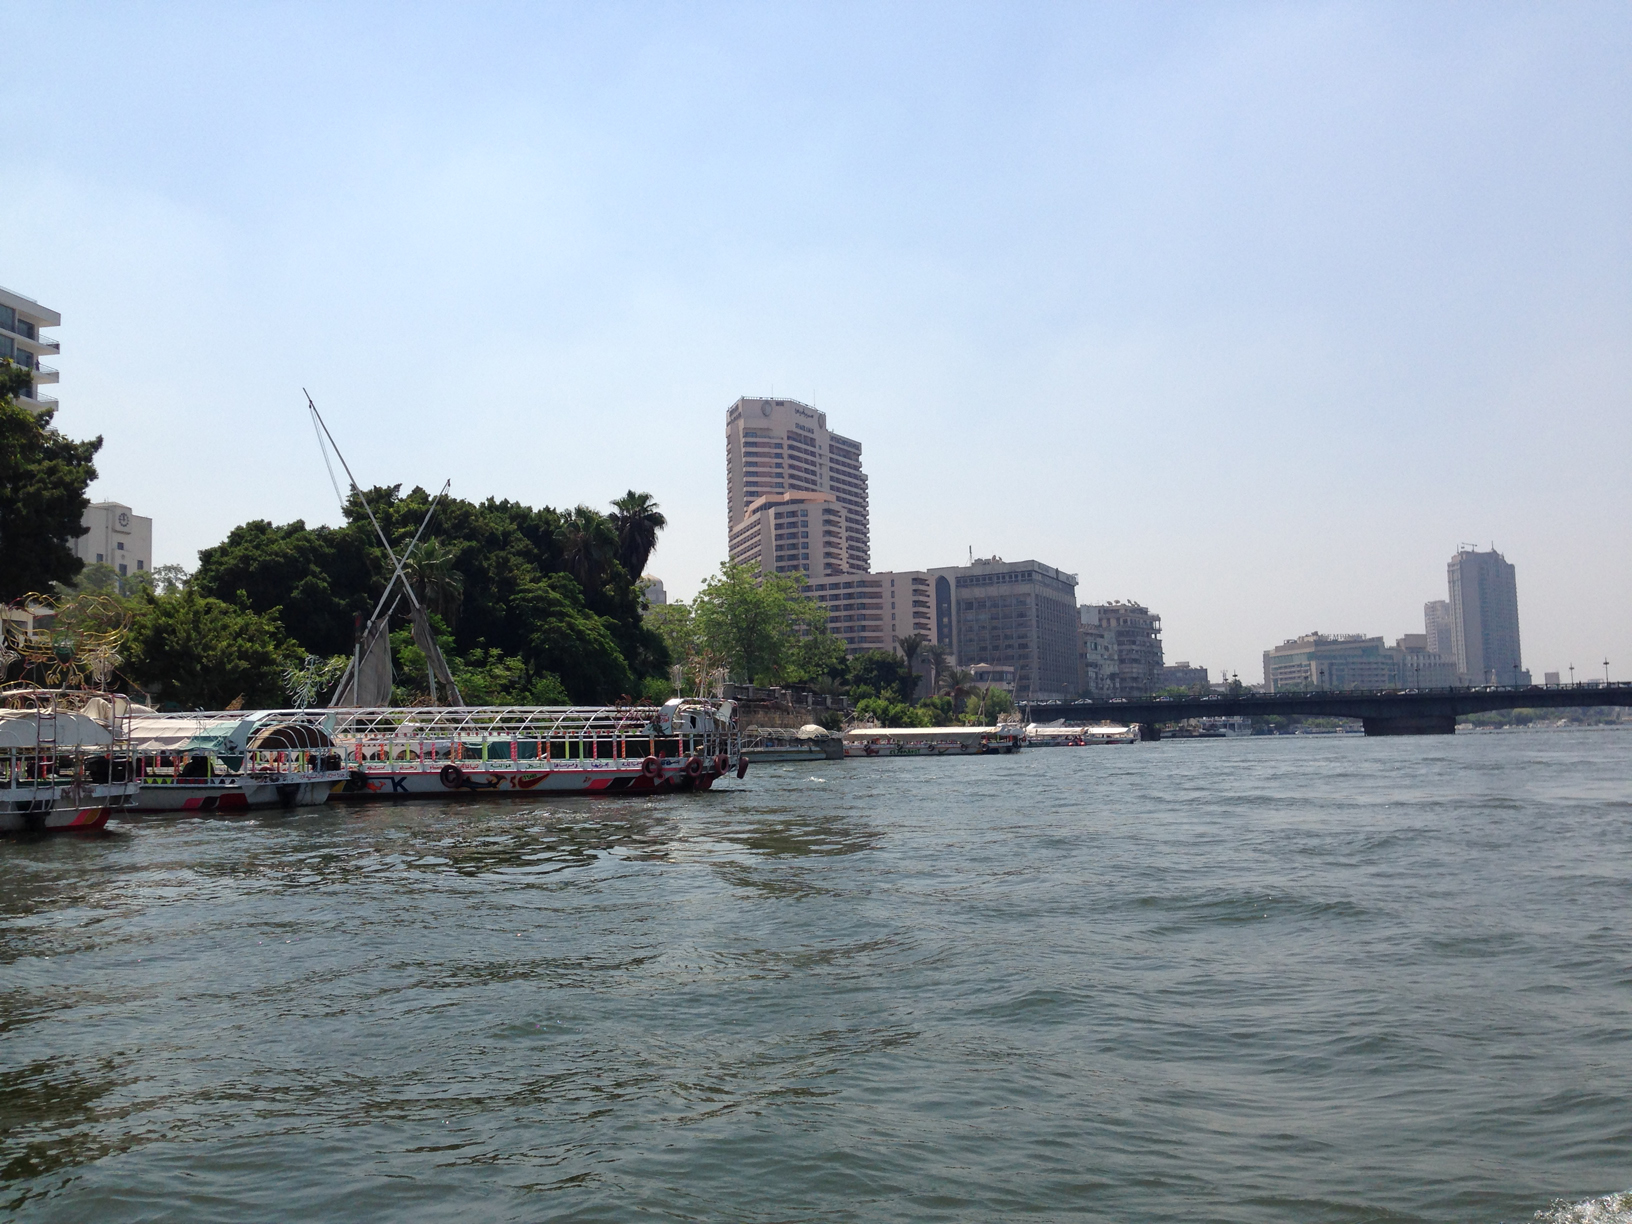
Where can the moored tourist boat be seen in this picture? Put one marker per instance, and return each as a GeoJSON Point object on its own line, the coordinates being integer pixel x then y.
{"type": "Point", "coordinates": [65, 762]}
{"type": "Point", "coordinates": [807, 743]}
{"type": "Point", "coordinates": [685, 744]}
{"type": "Point", "coordinates": [932, 741]}
{"type": "Point", "coordinates": [1059, 735]}
{"type": "Point", "coordinates": [233, 760]}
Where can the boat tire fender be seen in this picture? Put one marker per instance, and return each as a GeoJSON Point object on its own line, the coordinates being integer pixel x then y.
{"type": "Point", "coordinates": [742, 766]}
{"type": "Point", "coordinates": [694, 767]}
{"type": "Point", "coordinates": [651, 767]}
{"type": "Point", "coordinates": [722, 763]}
{"type": "Point", "coordinates": [452, 776]}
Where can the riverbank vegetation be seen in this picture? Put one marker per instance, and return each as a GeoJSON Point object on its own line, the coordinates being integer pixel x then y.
{"type": "Point", "coordinates": [746, 627]}
{"type": "Point", "coordinates": [529, 605]}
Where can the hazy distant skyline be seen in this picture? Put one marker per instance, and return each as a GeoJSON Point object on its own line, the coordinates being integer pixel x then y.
{"type": "Point", "coordinates": [1252, 313]}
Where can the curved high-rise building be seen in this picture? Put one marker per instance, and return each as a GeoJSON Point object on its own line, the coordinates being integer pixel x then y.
{"type": "Point", "coordinates": [782, 463]}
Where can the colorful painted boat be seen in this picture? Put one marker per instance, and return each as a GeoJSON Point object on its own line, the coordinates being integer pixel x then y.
{"type": "Point", "coordinates": [233, 761]}
{"type": "Point", "coordinates": [65, 761]}
{"type": "Point", "coordinates": [522, 751]}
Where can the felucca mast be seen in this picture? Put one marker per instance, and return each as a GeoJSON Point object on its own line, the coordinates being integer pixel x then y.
{"type": "Point", "coordinates": [423, 638]}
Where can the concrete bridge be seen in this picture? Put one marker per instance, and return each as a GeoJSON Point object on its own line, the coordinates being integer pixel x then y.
{"type": "Point", "coordinates": [1388, 712]}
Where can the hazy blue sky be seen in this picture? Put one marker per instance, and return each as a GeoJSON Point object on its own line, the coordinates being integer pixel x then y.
{"type": "Point", "coordinates": [1251, 312]}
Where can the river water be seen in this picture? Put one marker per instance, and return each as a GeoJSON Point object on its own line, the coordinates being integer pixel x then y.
{"type": "Point", "coordinates": [1294, 979]}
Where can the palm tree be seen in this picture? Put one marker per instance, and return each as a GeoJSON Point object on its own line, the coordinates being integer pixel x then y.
{"type": "Point", "coordinates": [910, 646]}
{"type": "Point", "coordinates": [588, 545]}
{"type": "Point", "coordinates": [958, 685]}
{"type": "Point", "coordinates": [438, 586]}
{"type": "Point", "coordinates": [939, 659]}
{"type": "Point", "coordinates": [636, 520]}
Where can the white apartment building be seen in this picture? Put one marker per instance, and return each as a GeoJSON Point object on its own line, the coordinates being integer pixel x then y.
{"type": "Point", "coordinates": [21, 319]}
{"type": "Point", "coordinates": [116, 536]}
{"type": "Point", "coordinates": [777, 447]}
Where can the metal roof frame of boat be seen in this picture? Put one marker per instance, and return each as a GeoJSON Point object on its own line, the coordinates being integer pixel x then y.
{"type": "Point", "coordinates": [460, 722]}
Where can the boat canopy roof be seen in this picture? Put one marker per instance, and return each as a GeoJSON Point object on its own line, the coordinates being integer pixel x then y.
{"type": "Point", "coordinates": [286, 728]}
{"type": "Point", "coordinates": [20, 729]}
{"type": "Point", "coordinates": [230, 732]}
{"type": "Point", "coordinates": [933, 733]}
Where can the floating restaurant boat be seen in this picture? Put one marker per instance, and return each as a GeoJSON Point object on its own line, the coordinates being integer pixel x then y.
{"type": "Point", "coordinates": [233, 761]}
{"type": "Point", "coordinates": [65, 760]}
{"type": "Point", "coordinates": [807, 743]}
{"type": "Point", "coordinates": [685, 744]}
{"type": "Point", "coordinates": [1058, 735]}
{"type": "Point", "coordinates": [932, 741]}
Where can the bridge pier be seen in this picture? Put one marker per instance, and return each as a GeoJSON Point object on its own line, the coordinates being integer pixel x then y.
{"type": "Point", "coordinates": [1411, 724]}
{"type": "Point", "coordinates": [1149, 732]}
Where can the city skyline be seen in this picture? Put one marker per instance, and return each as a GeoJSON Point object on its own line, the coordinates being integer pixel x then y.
{"type": "Point", "coordinates": [1249, 315]}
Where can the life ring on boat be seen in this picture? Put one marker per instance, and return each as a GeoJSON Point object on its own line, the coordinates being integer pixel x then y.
{"type": "Point", "coordinates": [721, 763]}
{"type": "Point", "coordinates": [651, 767]}
{"type": "Point", "coordinates": [452, 776]}
{"type": "Point", "coordinates": [694, 767]}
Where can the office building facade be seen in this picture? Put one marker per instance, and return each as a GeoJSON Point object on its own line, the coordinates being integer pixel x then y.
{"type": "Point", "coordinates": [1436, 623]}
{"type": "Point", "coordinates": [1324, 662]}
{"type": "Point", "coordinates": [1136, 634]}
{"type": "Point", "coordinates": [1011, 614]}
{"type": "Point", "coordinates": [23, 341]}
{"type": "Point", "coordinates": [875, 611]}
{"type": "Point", "coordinates": [1485, 618]}
{"type": "Point", "coordinates": [1182, 675]}
{"type": "Point", "coordinates": [116, 536]}
{"type": "Point", "coordinates": [781, 447]}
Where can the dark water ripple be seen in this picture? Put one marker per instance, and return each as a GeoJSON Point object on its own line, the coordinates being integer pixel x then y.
{"type": "Point", "coordinates": [1271, 980]}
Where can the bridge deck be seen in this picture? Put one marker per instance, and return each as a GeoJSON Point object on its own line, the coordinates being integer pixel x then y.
{"type": "Point", "coordinates": [1386, 712]}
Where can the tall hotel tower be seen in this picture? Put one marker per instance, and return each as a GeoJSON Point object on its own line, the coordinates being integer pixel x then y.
{"type": "Point", "coordinates": [1485, 618]}
{"type": "Point", "coordinates": [796, 497]}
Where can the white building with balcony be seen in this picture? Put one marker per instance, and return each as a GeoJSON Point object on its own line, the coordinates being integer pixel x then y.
{"type": "Point", "coordinates": [21, 339]}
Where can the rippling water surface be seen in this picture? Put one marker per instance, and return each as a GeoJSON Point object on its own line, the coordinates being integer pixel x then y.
{"type": "Point", "coordinates": [1311, 979]}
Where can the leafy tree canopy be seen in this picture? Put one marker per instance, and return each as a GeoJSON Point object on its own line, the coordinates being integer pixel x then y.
{"type": "Point", "coordinates": [195, 652]}
{"type": "Point", "coordinates": [534, 600]}
{"type": "Point", "coordinates": [43, 478]}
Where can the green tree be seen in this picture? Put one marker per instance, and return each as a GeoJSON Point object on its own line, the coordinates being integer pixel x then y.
{"type": "Point", "coordinates": [589, 545]}
{"type": "Point", "coordinates": [752, 621]}
{"type": "Point", "coordinates": [530, 584]}
{"type": "Point", "coordinates": [43, 478]}
{"type": "Point", "coordinates": [910, 646]}
{"type": "Point", "coordinates": [818, 659]}
{"type": "Point", "coordinates": [195, 652]}
{"type": "Point", "coordinates": [636, 522]}
{"type": "Point", "coordinates": [881, 673]}
{"type": "Point", "coordinates": [437, 585]}
{"type": "Point", "coordinates": [889, 713]}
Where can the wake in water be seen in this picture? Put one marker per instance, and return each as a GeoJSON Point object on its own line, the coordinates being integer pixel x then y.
{"type": "Point", "coordinates": [1611, 1209]}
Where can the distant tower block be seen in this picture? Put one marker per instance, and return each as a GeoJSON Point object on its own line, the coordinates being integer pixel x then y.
{"type": "Point", "coordinates": [1485, 618]}
{"type": "Point", "coordinates": [782, 450]}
